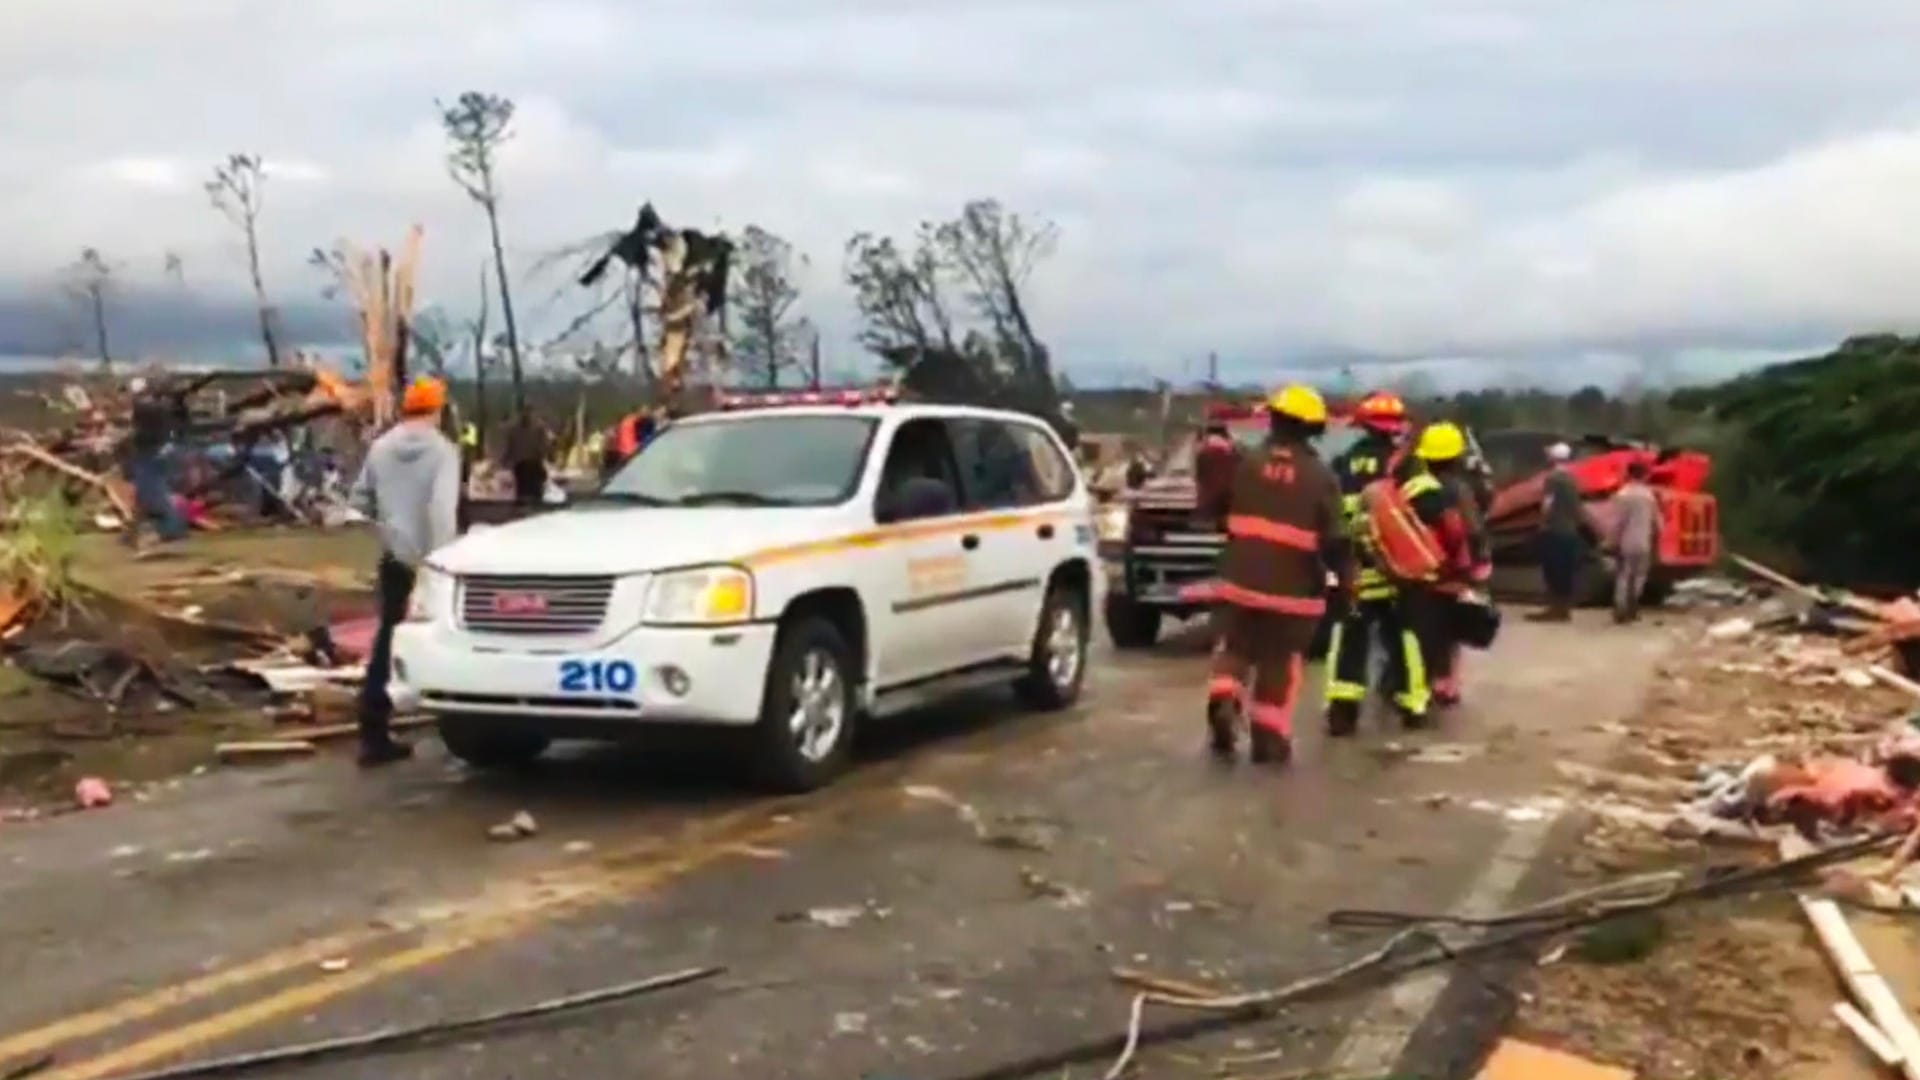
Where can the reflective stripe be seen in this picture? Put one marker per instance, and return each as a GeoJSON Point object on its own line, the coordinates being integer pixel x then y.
{"type": "Point", "coordinates": [1240, 596]}
{"type": "Point", "coordinates": [1275, 718]}
{"type": "Point", "coordinates": [1346, 691]}
{"type": "Point", "coordinates": [1248, 527]}
{"type": "Point", "coordinates": [1376, 592]}
{"type": "Point", "coordinates": [1416, 697]}
{"type": "Point", "coordinates": [1419, 484]}
{"type": "Point", "coordinates": [1224, 686]}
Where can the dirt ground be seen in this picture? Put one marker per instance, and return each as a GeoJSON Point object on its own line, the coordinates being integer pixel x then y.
{"type": "Point", "coordinates": [200, 602]}
{"type": "Point", "coordinates": [1737, 988]}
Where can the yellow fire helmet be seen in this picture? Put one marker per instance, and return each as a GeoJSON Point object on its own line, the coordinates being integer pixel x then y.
{"type": "Point", "coordinates": [1298, 402]}
{"type": "Point", "coordinates": [1441, 442]}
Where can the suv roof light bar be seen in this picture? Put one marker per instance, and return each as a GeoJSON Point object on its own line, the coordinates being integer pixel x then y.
{"type": "Point", "coordinates": [850, 398]}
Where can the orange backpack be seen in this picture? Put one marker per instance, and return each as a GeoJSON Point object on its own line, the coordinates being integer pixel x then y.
{"type": "Point", "coordinates": [1406, 549]}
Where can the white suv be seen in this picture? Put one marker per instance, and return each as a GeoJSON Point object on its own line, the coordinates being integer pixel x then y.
{"type": "Point", "coordinates": [777, 569]}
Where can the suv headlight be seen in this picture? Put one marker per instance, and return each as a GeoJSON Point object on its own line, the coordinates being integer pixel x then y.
{"type": "Point", "coordinates": [1110, 522]}
{"type": "Point", "coordinates": [432, 595]}
{"type": "Point", "coordinates": [703, 596]}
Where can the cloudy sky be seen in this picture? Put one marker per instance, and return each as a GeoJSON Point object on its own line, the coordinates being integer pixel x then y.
{"type": "Point", "coordinates": [1270, 178]}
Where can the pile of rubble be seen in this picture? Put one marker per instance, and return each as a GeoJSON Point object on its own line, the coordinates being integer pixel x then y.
{"type": "Point", "coordinates": [1790, 727]}
{"type": "Point", "coordinates": [247, 445]}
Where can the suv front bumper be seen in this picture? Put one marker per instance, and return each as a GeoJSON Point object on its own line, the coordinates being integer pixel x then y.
{"type": "Point", "coordinates": [630, 679]}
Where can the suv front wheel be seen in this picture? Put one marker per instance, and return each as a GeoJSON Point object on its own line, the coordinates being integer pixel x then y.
{"type": "Point", "coordinates": [1058, 664]}
{"type": "Point", "coordinates": [805, 734]}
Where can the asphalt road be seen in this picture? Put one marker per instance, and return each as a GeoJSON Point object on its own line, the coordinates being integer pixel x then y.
{"type": "Point", "coordinates": [873, 930]}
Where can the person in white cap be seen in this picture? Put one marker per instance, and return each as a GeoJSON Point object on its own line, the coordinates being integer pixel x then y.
{"type": "Point", "coordinates": [1561, 517]}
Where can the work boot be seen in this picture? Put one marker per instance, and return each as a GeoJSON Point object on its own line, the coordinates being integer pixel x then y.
{"type": "Point", "coordinates": [1555, 612]}
{"type": "Point", "coordinates": [1343, 718]}
{"type": "Point", "coordinates": [376, 754]}
{"type": "Point", "coordinates": [1415, 720]}
{"type": "Point", "coordinates": [1270, 747]}
{"type": "Point", "coordinates": [1223, 724]}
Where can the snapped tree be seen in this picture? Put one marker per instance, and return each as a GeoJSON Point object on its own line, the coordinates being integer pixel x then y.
{"type": "Point", "coordinates": [768, 338]}
{"type": "Point", "coordinates": [89, 280]}
{"type": "Point", "coordinates": [948, 310]}
{"type": "Point", "coordinates": [477, 124]}
{"type": "Point", "coordinates": [237, 189]}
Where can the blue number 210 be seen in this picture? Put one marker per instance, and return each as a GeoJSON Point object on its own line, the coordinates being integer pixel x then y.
{"type": "Point", "coordinates": [582, 676]}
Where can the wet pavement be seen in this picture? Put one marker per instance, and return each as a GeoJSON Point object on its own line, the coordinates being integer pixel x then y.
{"type": "Point", "coordinates": [959, 902]}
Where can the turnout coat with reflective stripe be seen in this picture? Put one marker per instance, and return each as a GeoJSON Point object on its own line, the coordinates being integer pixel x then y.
{"type": "Point", "coordinates": [1283, 511]}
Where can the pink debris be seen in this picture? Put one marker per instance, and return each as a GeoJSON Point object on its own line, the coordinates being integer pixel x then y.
{"type": "Point", "coordinates": [92, 793]}
{"type": "Point", "coordinates": [353, 638]}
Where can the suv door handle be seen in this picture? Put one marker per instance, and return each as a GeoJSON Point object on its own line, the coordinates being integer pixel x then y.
{"type": "Point", "coordinates": [970, 541]}
{"type": "Point", "coordinates": [1045, 531]}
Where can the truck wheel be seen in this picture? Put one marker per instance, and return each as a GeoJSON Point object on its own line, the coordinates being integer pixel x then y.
{"type": "Point", "coordinates": [1131, 625]}
{"type": "Point", "coordinates": [1058, 665]}
{"type": "Point", "coordinates": [486, 743]}
{"type": "Point", "coordinates": [804, 737]}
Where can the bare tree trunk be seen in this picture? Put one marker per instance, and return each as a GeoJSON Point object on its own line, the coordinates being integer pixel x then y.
{"type": "Point", "coordinates": [100, 326]}
{"type": "Point", "coordinates": [506, 304]}
{"type": "Point", "coordinates": [480, 363]}
{"type": "Point", "coordinates": [636, 287]}
{"type": "Point", "coordinates": [813, 362]}
{"type": "Point", "coordinates": [260, 295]}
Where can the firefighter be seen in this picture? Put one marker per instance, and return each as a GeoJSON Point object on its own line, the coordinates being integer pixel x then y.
{"type": "Point", "coordinates": [1284, 535]}
{"type": "Point", "coordinates": [1429, 486]}
{"type": "Point", "coordinates": [1377, 607]}
{"type": "Point", "coordinates": [1467, 496]}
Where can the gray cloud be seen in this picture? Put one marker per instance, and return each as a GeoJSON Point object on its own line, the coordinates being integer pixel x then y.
{"type": "Point", "coordinates": [1272, 178]}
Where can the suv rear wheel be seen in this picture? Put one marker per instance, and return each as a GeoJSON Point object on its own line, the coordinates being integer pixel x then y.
{"type": "Point", "coordinates": [486, 743]}
{"type": "Point", "coordinates": [805, 734]}
{"type": "Point", "coordinates": [1131, 625]}
{"type": "Point", "coordinates": [1058, 664]}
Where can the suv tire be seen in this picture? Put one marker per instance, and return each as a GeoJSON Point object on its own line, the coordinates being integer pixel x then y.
{"type": "Point", "coordinates": [1057, 666]}
{"type": "Point", "coordinates": [1131, 625]}
{"type": "Point", "coordinates": [486, 743]}
{"type": "Point", "coordinates": [805, 735]}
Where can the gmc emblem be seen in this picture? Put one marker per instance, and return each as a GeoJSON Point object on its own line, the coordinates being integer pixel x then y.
{"type": "Point", "coordinates": [519, 603]}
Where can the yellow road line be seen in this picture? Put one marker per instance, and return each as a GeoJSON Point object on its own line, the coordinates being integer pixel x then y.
{"type": "Point", "coordinates": [463, 934]}
{"type": "Point", "coordinates": [640, 866]}
{"type": "Point", "coordinates": [139, 1007]}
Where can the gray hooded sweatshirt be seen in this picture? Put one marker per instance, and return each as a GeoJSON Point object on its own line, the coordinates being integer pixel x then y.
{"type": "Point", "coordinates": [410, 487]}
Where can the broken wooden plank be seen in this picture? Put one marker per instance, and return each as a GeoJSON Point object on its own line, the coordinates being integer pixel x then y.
{"type": "Point", "coordinates": [1895, 679]}
{"type": "Point", "coordinates": [1765, 572]}
{"type": "Point", "coordinates": [1864, 981]}
{"type": "Point", "coordinates": [33, 453]}
{"type": "Point", "coordinates": [1516, 1060]}
{"type": "Point", "coordinates": [323, 732]}
{"type": "Point", "coordinates": [1870, 1037]}
{"type": "Point", "coordinates": [263, 748]}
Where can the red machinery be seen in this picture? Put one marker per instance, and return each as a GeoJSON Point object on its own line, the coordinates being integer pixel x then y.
{"type": "Point", "coordinates": [1690, 533]}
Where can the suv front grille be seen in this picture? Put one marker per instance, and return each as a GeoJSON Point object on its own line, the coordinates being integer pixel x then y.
{"type": "Point", "coordinates": [533, 604]}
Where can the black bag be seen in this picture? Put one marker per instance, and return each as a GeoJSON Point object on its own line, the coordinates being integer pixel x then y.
{"type": "Point", "coordinates": [1473, 619]}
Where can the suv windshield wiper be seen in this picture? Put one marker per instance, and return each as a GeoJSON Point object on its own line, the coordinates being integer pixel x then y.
{"type": "Point", "coordinates": [631, 498]}
{"type": "Point", "coordinates": [744, 498]}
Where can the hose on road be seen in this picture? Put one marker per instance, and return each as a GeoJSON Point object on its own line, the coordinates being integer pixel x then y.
{"type": "Point", "coordinates": [1393, 960]}
{"type": "Point", "coordinates": [391, 1038]}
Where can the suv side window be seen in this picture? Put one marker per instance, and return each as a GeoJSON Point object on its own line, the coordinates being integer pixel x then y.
{"type": "Point", "coordinates": [919, 478]}
{"type": "Point", "coordinates": [1008, 464]}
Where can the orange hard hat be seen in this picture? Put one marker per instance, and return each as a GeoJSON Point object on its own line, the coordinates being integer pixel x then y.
{"type": "Point", "coordinates": [424, 395]}
{"type": "Point", "coordinates": [1382, 410]}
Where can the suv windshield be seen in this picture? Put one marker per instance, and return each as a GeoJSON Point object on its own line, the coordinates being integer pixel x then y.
{"type": "Point", "coordinates": [766, 460]}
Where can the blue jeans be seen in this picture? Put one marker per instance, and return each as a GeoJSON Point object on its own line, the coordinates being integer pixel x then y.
{"type": "Point", "coordinates": [1560, 564]}
{"type": "Point", "coordinates": [153, 498]}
